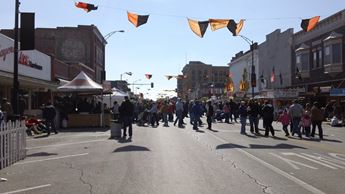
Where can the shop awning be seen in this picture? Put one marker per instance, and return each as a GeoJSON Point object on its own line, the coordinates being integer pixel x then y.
{"type": "Point", "coordinates": [81, 83]}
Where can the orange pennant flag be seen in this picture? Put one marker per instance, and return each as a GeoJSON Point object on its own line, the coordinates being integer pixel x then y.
{"type": "Point", "coordinates": [199, 28]}
{"type": "Point", "coordinates": [86, 6]}
{"type": "Point", "coordinates": [218, 23]}
{"type": "Point", "coordinates": [137, 20]}
{"type": "Point", "coordinates": [148, 76]}
{"type": "Point", "coordinates": [309, 24]}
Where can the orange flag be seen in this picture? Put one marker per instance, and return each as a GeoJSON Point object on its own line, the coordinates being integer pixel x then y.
{"type": "Point", "coordinates": [309, 24]}
{"type": "Point", "coordinates": [234, 27]}
{"type": "Point", "coordinates": [169, 77]}
{"type": "Point", "coordinates": [218, 23]}
{"type": "Point", "coordinates": [86, 6]}
{"type": "Point", "coordinates": [137, 20]}
{"type": "Point", "coordinates": [199, 28]}
{"type": "Point", "coordinates": [148, 76]}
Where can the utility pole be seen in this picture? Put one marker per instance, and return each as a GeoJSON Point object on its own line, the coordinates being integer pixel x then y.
{"type": "Point", "coordinates": [15, 61]}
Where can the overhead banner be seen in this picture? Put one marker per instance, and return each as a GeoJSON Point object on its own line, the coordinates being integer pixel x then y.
{"type": "Point", "coordinates": [137, 20]}
{"type": "Point", "coordinates": [199, 28]}
{"type": "Point", "coordinates": [86, 6]}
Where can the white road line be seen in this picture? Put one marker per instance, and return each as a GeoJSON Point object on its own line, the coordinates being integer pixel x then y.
{"type": "Point", "coordinates": [47, 159]}
{"type": "Point", "coordinates": [275, 169]}
{"type": "Point", "coordinates": [64, 144]}
{"type": "Point", "coordinates": [27, 189]}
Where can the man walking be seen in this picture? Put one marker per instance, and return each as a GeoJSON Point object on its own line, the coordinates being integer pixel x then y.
{"type": "Point", "coordinates": [49, 114]}
{"type": "Point", "coordinates": [267, 117]}
{"type": "Point", "coordinates": [296, 112]}
{"type": "Point", "coordinates": [209, 114]}
{"type": "Point", "coordinates": [126, 114]}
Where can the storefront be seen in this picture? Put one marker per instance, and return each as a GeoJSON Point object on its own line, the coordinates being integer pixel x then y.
{"type": "Point", "coordinates": [34, 75]}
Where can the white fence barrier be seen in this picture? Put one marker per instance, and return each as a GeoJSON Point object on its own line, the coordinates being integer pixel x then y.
{"type": "Point", "coordinates": [12, 143]}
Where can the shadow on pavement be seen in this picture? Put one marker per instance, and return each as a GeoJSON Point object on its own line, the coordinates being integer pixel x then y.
{"type": "Point", "coordinates": [131, 148]}
{"type": "Point", "coordinates": [41, 136]}
{"type": "Point", "coordinates": [213, 130]}
{"type": "Point", "coordinates": [278, 146]}
{"type": "Point", "coordinates": [41, 154]}
{"type": "Point", "coordinates": [86, 129]}
{"type": "Point", "coordinates": [229, 146]}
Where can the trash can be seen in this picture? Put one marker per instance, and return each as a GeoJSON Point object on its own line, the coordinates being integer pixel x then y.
{"type": "Point", "coordinates": [115, 129]}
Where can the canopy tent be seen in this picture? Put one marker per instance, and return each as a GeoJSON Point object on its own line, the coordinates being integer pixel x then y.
{"type": "Point", "coordinates": [115, 95]}
{"type": "Point", "coordinates": [81, 83]}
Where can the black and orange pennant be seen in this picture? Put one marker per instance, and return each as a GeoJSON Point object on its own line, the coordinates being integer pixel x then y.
{"type": "Point", "coordinates": [309, 24]}
{"type": "Point", "coordinates": [235, 28]}
{"type": "Point", "coordinates": [169, 77]}
{"type": "Point", "coordinates": [148, 76]}
{"type": "Point", "coordinates": [199, 28]}
{"type": "Point", "coordinates": [218, 23]}
{"type": "Point", "coordinates": [137, 20]}
{"type": "Point", "coordinates": [86, 6]}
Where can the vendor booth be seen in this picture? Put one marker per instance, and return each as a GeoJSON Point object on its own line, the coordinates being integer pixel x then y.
{"type": "Point", "coordinates": [83, 85]}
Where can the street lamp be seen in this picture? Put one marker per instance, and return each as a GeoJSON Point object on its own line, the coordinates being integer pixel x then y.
{"type": "Point", "coordinates": [111, 33]}
{"type": "Point", "coordinates": [253, 75]}
{"type": "Point", "coordinates": [128, 73]}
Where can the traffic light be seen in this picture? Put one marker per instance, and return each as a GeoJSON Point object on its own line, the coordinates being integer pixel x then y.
{"type": "Point", "coordinates": [27, 31]}
{"type": "Point", "coordinates": [151, 84]}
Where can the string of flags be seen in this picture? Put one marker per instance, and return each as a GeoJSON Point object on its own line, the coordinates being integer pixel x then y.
{"type": "Point", "coordinates": [200, 27]}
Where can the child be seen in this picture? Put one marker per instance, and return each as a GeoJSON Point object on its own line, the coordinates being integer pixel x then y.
{"type": "Point", "coordinates": [306, 122]}
{"type": "Point", "coordinates": [284, 118]}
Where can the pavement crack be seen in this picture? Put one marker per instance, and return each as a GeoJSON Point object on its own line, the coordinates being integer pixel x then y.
{"type": "Point", "coordinates": [70, 165]}
{"type": "Point", "coordinates": [265, 188]}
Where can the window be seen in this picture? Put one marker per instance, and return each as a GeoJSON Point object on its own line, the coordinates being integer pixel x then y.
{"type": "Point", "coordinates": [315, 60]}
{"type": "Point", "coordinates": [302, 61]}
{"type": "Point", "coordinates": [336, 53]}
{"type": "Point", "coordinates": [320, 58]}
{"type": "Point", "coordinates": [327, 55]}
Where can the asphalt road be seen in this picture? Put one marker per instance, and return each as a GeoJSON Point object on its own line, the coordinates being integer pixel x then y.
{"type": "Point", "coordinates": [174, 160]}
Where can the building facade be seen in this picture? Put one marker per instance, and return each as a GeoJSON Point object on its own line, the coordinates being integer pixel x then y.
{"type": "Point", "coordinates": [274, 69]}
{"type": "Point", "coordinates": [240, 69]}
{"type": "Point", "coordinates": [82, 48]}
{"type": "Point", "coordinates": [318, 58]}
{"type": "Point", "coordinates": [201, 80]}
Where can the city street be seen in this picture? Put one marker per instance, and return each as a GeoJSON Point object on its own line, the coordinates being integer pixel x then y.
{"type": "Point", "coordinates": [175, 160]}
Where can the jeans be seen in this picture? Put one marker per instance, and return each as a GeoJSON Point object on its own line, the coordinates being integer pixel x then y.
{"type": "Point", "coordinates": [127, 122]}
{"type": "Point", "coordinates": [254, 121]}
{"type": "Point", "coordinates": [295, 126]}
{"type": "Point", "coordinates": [243, 121]}
{"type": "Point", "coordinates": [319, 126]}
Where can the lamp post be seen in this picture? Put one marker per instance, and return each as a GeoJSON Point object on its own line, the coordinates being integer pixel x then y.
{"type": "Point", "coordinates": [128, 73]}
{"type": "Point", "coordinates": [111, 33]}
{"type": "Point", "coordinates": [253, 75]}
{"type": "Point", "coordinates": [15, 61]}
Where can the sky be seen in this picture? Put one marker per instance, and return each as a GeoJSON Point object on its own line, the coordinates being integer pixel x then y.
{"type": "Point", "coordinates": [165, 44]}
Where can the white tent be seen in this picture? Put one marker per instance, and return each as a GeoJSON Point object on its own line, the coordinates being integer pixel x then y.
{"type": "Point", "coordinates": [115, 95]}
{"type": "Point", "coordinates": [81, 83]}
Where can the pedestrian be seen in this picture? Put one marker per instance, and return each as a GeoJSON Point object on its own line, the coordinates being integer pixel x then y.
{"type": "Point", "coordinates": [164, 111]}
{"type": "Point", "coordinates": [226, 111]}
{"type": "Point", "coordinates": [284, 118]}
{"type": "Point", "coordinates": [267, 117]}
{"type": "Point", "coordinates": [154, 114]}
{"type": "Point", "coordinates": [253, 112]}
{"type": "Point", "coordinates": [7, 110]}
{"type": "Point", "coordinates": [179, 111]}
{"type": "Point", "coordinates": [209, 114]}
{"type": "Point", "coordinates": [197, 111]}
{"type": "Point", "coordinates": [115, 110]}
{"type": "Point", "coordinates": [126, 114]}
{"type": "Point", "coordinates": [316, 120]}
{"type": "Point", "coordinates": [49, 114]}
{"type": "Point", "coordinates": [242, 111]}
{"type": "Point", "coordinates": [296, 112]}
{"type": "Point", "coordinates": [306, 122]}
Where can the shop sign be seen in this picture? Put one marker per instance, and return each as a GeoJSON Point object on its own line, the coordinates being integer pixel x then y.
{"type": "Point", "coordinates": [337, 92]}
{"type": "Point", "coordinates": [31, 63]}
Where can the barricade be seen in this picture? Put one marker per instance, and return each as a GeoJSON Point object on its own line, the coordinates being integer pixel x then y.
{"type": "Point", "coordinates": [12, 143]}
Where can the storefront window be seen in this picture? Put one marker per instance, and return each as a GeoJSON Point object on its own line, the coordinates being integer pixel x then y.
{"type": "Point", "coordinates": [327, 56]}
{"type": "Point", "coordinates": [305, 62]}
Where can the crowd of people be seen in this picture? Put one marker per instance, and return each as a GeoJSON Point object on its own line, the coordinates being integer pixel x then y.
{"type": "Point", "coordinates": [301, 119]}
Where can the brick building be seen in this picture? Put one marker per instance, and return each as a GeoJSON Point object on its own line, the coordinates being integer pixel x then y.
{"type": "Point", "coordinates": [200, 80]}
{"type": "Point", "coordinates": [73, 49]}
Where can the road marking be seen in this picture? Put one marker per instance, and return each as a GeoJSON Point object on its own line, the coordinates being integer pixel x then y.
{"type": "Point", "coordinates": [326, 160]}
{"type": "Point", "coordinates": [312, 160]}
{"type": "Point", "coordinates": [338, 156]}
{"type": "Point", "coordinates": [292, 163]}
{"type": "Point", "coordinates": [275, 169]}
{"type": "Point", "coordinates": [55, 158]}
{"type": "Point", "coordinates": [27, 189]}
{"type": "Point", "coordinates": [64, 144]}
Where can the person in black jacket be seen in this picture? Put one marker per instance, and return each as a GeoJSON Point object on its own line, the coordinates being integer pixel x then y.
{"type": "Point", "coordinates": [253, 112]}
{"type": "Point", "coordinates": [209, 114]}
{"type": "Point", "coordinates": [49, 114]}
{"type": "Point", "coordinates": [126, 114]}
{"type": "Point", "coordinates": [267, 116]}
{"type": "Point", "coordinates": [242, 111]}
